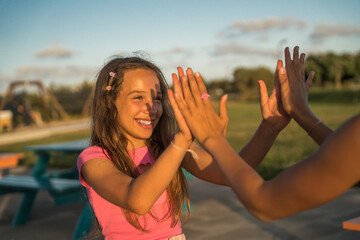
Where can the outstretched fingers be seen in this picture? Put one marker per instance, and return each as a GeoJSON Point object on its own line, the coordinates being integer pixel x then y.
{"type": "Point", "coordinates": [204, 97]}
{"type": "Point", "coordinates": [289, 65]}
{"type": "Point", "coordinates": [309, 80]}
{"type": "Point", "coordinates": [283, 79]}
{"type": "Point", "coordinates": [196, 95]}
{"type": "Point", "coordinates": [223, 113]}
{"type": "Point", "coordinates": [297, 63]}
{"type": "Point", "coordinates": [276, 88]}
{"type": "Point", "coordinates": [179, 103]}
{"type": "Point", "coordinates": [176, 81]}
{"type": "Point", "coordinates": [174, 105]}
{"type": "Point", "coordinates": [302, 67]}
{"type": "Point", "coordinates": [264, 98]}
{"type": "Point", "coordinates": [188, 97]}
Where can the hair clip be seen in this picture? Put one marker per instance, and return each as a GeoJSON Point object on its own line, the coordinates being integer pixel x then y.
{"type": "Point", "coordinates": [112, 75]}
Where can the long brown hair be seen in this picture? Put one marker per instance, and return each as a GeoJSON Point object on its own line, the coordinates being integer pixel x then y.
{"type": "Point", "coordinates": [107, 133]}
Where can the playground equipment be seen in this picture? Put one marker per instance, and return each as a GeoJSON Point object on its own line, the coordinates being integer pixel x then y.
{"type": "Point", "coordinates": [46, 97]}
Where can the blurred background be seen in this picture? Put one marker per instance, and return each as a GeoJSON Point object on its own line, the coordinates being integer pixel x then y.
{"type": "Point", "coordinates": [51, 51]}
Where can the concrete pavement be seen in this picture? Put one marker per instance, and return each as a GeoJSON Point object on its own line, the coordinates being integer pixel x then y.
{"type": "Point", "coordinates": [216, 214]}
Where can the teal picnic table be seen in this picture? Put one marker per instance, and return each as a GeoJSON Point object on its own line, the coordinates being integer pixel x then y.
{"type": "Point", "coordinates": [64, 186]}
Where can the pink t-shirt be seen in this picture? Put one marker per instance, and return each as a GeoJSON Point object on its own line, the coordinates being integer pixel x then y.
{"type": "Point", "coordinates": [111, 219]}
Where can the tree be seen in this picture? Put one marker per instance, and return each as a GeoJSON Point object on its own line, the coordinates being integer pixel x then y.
{"type": "Point", "coordinates": [219, 87]}
{"type": "Point", "coordinates": [245, 81]}
{"type": "Point", "coordinates": [313, 64]}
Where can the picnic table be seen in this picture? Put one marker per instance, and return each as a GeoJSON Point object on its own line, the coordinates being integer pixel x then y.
{"type": "Point", "coordinates": [9, 160]}
{"type": "Point", "coordinates": [64, 186]}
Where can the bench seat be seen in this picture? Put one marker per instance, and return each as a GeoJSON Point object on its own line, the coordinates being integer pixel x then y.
{"type": "Point", "coordinates": [63, 190]}
{"type": "Point", "coordinates": [9, 160]}
{"type": "Point", "coordinates": [352, 224]}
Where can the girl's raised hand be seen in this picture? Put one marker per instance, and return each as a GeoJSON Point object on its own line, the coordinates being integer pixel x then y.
{"type": "Point", "coordinates": [195, 106]}
{"type": "Point", "coordinates": [181, 122]}
{"type": "Point", "coordinates": [294, 88]}
{"type": "Point", "coordinates": [272, 110]}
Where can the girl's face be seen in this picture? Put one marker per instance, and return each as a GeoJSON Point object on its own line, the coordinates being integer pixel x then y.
{"type": "Point", "coordinates": [139, 105]}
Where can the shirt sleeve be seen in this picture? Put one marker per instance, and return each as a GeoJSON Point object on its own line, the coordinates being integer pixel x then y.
{"type": "Point", "coordinates": [86, 155]}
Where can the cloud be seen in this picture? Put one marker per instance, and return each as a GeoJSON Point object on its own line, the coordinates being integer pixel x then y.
{"type": "Point", "coordinates": [4, 78]}
{"type": "Point", "coordinates": [176, 51]}
{"type": "Point", "coordinates": [55, 51]}
{"type": "Point", "coordinates": [267, 23]}
{"type": "Point", "coordinates": [242, 50]}
{"type": "Point", "coordinates": [323, 30]}
{"type": "Point", "coordinates": [54, 72]}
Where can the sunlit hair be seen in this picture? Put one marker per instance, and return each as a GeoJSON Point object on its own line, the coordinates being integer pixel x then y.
{"type": "Point", "coordinates": [108, 134]}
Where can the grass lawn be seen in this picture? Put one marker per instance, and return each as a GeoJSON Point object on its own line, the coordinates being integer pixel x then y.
{"type": "Point", "coordinates": [291, 145]}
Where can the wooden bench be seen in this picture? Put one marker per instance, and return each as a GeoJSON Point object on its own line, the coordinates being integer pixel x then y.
{"type": "Point", "coordinates": [9, 160]}
{"type": "Point", "coordinates": [62, 190]}
{"type": "Point", "coordinates": [352, 224]}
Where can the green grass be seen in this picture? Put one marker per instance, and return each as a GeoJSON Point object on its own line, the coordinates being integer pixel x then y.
{"type": "Point", "coordinates": [333, 95]}
{"type": "Point", "coordinates": [292, 144]}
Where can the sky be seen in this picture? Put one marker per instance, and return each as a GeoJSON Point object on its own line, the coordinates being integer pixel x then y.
{"type": "Point", "coordinates": [66, 42]}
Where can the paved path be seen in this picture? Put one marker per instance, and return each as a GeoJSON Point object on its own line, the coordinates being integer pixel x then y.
{"type": "Point", "coordinates": [30, 133]}
{"type": "Point", "coordinates": [216, 215]}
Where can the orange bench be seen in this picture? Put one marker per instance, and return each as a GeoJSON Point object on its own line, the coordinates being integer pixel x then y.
{"type": "Point", "coordinates": [9, 160]}
{"type": "Point", "coordinates": [352, 224]}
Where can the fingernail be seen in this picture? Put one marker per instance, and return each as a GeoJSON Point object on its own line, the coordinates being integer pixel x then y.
{"type": "Point", "coordinates": [226, 97]}
{"type": "Point", "coordinates": [197, 74]}
{"type": "Point", "coordinates": [176, 94]}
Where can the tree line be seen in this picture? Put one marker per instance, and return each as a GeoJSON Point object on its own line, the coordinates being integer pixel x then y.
{"type": "Point", "coordinates": [331, 70]}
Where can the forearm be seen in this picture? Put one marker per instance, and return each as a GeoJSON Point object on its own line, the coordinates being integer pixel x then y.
{"type": "Point", "coordinates": [315, 180]}
{"type": "Point", "coordinates": [204, 167]}
{"type": "Point", "coordinates": [243, 179]}
{"type": "Point", "coordinates": [147, 188]}
{"type": "Point", "coordinates": [259, 145]}
{"type": "Point", "coordinates": [266, 200]}
{"type": "Point", "coordinates": [310, 183]}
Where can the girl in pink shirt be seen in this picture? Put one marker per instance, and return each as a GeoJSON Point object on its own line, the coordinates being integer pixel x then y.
{"type": "Point", "coordinates": [133, 169]}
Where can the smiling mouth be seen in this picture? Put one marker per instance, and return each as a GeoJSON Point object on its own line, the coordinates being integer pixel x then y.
{"type": "Point", "coordinates": [147, 124]}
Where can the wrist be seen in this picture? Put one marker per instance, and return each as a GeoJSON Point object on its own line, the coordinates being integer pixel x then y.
{"type": "Point", "coordinates": [181, 141]}
{"type": "Point", "coordinates": [307, 120]}
{"type": "Point", "coordinates": [268, 128]}
{"type": "Point", "coordinates": [302, 114]}
{"type": "Point", "coordinates": [212, 142]}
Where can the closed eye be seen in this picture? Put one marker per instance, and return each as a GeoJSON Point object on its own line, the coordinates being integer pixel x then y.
{"type": "Point", "coordinates": [138, 97]}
